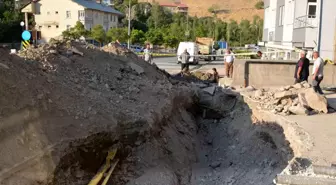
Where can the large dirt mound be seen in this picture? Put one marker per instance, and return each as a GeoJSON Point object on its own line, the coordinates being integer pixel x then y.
{"type": "Point", "coordinates": [66, 94]}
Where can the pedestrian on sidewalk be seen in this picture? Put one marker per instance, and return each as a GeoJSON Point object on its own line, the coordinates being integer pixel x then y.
{"type": "Point", "coordinates": [148, 54]}
{"type": "Point", "coordinates": [184, 57]}
{"type": "Point", "coordinates": [302, 68]}
{"type": "Point", "coordinates": [317, 72]}
{"type": "Point", "coordinates": [228, 62]}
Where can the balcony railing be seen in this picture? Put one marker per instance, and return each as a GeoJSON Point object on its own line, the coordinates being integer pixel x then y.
{"type": "Point", "coordinates": [305, 22]}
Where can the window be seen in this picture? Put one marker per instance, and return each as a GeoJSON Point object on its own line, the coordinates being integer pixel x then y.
{"type": "Point", "coordinates": [68, 14]}
{"type": "Point", "coordinates": [281, 15]}
{"type": "Point", "coordinates": [56, 12]}
{"type": "Point", "coordinates": [57, 26]}
{"type": "Point", "coordinates": [96, 15]}
{"type": "Point", "coordinates": [48, 13]}
{"type": "Point", "coordinates": [111, 18]}
{"type": "Point", "coordinates": [49, 26]}
{"type": "Point", "coordinates": [311, 9]}
{"type": "Point", "coordinates": [81, 13]}
{"type": "Point", "coordinates": [68, 27]}
{"type": "Point", "coordinates": [40, 27]}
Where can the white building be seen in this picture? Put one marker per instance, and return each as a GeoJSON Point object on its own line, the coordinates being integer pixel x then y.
{"type": "Point", "coordinates": [52, 17]}
{"type": "Point", "coordinates": [307, 24]}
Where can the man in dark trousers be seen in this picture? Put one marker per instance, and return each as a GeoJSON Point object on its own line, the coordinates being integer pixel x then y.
{"type": "Point", "coordinates": [185, 56]}
{"type": "Point", "coordinates": [302, 68]}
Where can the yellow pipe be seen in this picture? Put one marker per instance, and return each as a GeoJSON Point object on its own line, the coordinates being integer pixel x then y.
{"type": "Point", "coordinates": [110, 172]}
{"type": "Point", "coordinates": [96, 179]}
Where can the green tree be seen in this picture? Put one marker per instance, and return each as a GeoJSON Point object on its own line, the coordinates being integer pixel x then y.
{"type": "Point", "coordinates": [138, 37]}
{"type": "Point", "coordinates": [10, 29]}
{"type": "Point", "coordinates": [155, 36]}
{"type": "Point", "coordinates": [259, 5]}
{"type": "Point", "coordinates": [98, 33]}
{"type": "Point", "coordinates": [76, 32]}
{"type": "Point", "coordinates": [120, 34]}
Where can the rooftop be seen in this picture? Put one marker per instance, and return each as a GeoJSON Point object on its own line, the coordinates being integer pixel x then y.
{"type": "Point", "coordinates": [175, 5]}
{"type": "Point", "coordinates": [96, 6]}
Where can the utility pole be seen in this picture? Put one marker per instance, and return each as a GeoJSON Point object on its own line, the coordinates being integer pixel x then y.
{"type": "Point", "coordinates": [129, 24]}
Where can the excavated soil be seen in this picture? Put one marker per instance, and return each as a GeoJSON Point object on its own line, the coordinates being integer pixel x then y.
{"type": "Point", "coordinates": [61, 113]}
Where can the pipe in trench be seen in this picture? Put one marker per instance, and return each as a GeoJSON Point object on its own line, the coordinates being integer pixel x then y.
{"type": "Point", "coordinates": [325, 170]}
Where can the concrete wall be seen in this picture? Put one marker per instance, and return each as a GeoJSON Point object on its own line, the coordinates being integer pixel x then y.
{"type": "Point", "coordinates": [328, 30]}
{"type": "Point", "coordinates": [274, 73]}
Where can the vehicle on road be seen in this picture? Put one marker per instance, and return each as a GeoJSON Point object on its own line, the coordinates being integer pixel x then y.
{"type": "Point", "coordinates": [192, 49]}
{"type": "Point", "coordinates": [205, 45]}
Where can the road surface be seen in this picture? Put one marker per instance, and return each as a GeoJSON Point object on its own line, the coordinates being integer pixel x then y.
{"type": "Point", "coordinates": [169, 64]}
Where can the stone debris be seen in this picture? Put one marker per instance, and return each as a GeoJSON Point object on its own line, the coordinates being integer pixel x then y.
{"type": "Point", "coordinates": [4, 66]}
{"type": "Point", "coordinates": [210, 90]}
{"type": "Point", "coordinates": [299, 99]}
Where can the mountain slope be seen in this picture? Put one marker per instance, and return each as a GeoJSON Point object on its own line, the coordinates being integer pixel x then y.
{"type": "Point", "coordinates": [229, 9]}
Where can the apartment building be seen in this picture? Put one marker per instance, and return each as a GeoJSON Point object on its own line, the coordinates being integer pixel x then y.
{"type": "Point", "coordinates": [306, 24]}
{"type": "Point", "coordinates": [53, 17]}
{"type": "Point", "coordinates": [176, 7]}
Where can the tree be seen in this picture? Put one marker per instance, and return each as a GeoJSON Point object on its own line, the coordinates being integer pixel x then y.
{"type": "Point", "coordinates": [76, 32]}
{"type": "Point", "coordinates": [259, 5]}
{"type": "Point", "coordinates": [120, 34]}
{"type": "Point", "coordinates": [155, 36]}
{"type": "Point", "coordinates": [10, 29]}
{"type": "Point", "coordinates": [138, 37]}
{"type": "Point", "coordinates": [98, 33]}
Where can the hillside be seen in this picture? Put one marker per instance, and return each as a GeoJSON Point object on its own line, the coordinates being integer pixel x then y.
{"type": "Point", "coordinates": [230, 9]}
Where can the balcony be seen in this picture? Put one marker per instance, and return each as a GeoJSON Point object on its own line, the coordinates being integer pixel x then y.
{"type": "Point", "coordinates": [305, 22]}
{"type": "Point", "coordinates": [305, 31]}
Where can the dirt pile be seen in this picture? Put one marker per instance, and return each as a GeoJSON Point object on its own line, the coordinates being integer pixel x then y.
{"type": "Point", "coordinates": [64, 104]}
{"type": "Point", "coordinates": [298, 99]}
{"type": "Point", "coordinates": [117, 49]}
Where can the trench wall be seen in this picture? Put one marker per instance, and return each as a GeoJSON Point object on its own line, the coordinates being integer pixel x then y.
{"type": "Point", "coordinates": [260, 73]}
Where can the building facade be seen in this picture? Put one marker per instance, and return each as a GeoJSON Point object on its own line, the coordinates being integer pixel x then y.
{"type": "Point", "coordinates": [176, 7]}
{"type": "Point", "coordinates": [53, 17]}
{"type": "Point", "coordinates": [303, 24]}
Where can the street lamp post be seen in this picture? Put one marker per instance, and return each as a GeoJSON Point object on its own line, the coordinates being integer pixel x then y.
{"type": "Point", "coordinates": [129, 24]}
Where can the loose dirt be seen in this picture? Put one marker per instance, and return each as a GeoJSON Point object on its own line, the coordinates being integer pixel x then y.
{"type": "Point", "coordinates": [65, 104]}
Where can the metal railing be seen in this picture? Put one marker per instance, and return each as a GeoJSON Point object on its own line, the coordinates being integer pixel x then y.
{"type": "Point", "coordinates": [305, 22]}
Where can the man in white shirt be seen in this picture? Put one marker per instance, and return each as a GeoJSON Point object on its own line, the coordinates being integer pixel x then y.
{"type": "Point", "coordinates": [148, 54]}
{"type": "Point", "coordinates": [228, 62]}
{"type": "Point", "coordinates": [317, 72]}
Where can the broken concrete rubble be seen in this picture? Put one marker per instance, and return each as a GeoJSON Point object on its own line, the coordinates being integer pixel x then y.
{"type": "Point", "coordinates": [291, 99]}
{"type": "Point", "coordinates": [311, 99]}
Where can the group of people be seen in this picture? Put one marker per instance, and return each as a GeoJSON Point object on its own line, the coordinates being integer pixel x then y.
{"type": "Point", "coordinates": [302, 70]}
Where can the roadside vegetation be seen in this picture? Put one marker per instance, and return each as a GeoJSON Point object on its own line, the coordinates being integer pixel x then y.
{"type": "Point", "coordinates": [151, 23]}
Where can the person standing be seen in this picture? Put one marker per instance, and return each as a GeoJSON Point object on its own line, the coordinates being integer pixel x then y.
{"type": "Point", "coordinates": [302, 68]}
{"type": "Point", "coordinates": [148, 54]}
{"type": "Point", "coordinates": [184, 57]}
{"type": "Point", "coordinates": [317, 72]}
{"type": "Point", "coordinates": [228, 62]}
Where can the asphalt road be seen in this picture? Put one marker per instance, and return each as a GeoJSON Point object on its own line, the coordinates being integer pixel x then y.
{"type": "Point", "coordinates": [170, 65]}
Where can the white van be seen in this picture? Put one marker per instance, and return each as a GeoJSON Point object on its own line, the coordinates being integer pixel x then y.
{"type": "Point", "coordinates": [192, 49]}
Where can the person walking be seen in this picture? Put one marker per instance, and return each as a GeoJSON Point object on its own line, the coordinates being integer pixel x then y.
{"type": "Point", "coordinates": [184, 57]}
{"type": "Point", "coordinates": [317, 72]}
{"type": "Point", "coordinates": [148, 54]}
{"type": "Point", "coordinates": [228, 62]}
{"type": "Point", "coordinates": [302, 68]}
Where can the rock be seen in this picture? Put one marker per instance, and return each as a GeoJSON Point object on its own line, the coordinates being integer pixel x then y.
{"type": "Point", "coordinates": [157, 175]}
{"type": "Point", "coordinates": [298, 86]}
{"type": "Point", "coordinates": [259, 93]}
{"type": "Point", "coordinates": [215, 164]}
{"type": "Point", "coordinates": [306, 85]}
{"type": "Point", "coordinates": [288, 87]}
{"type": "Point", "coordinates": [249, 88]}
{"type": "Point", "coordinates": [76, 51]}
{"type": "Point", "coordinates": [298, 110]}
{"type": "Point", "coordinates": [310, 99]}
{"type": "Point", "coordinates": [210, 90]}
{"type": "Point", "coordinates": [136, 67]}
{"type": "Point", "coordinates": [52, 51]}
{"type": "Point", "coordinates": [4, 66]}
{"type": "Point", "coordinates": [285, 94]}
{"type": "Point", "coordinates": [66, 60]}
{"type": "Point", "coordinates": [295, 102]}
{"type": "Point", "coordinates": [286, 108]}
{"type": "Point", "coordinates": [279, 108]}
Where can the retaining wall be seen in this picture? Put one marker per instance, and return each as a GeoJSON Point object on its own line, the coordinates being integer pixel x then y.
{"type": "Point", "coordinates": [260, 73]}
